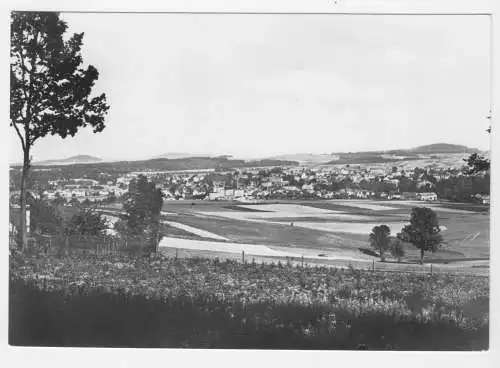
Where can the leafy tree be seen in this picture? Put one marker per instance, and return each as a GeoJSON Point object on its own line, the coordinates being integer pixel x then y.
{"type": "Point", "coordinates": [380, 239]}
{"type": "Point", "coordinates": [74, 201]}
{"type": "Point", "coordinates": [476, 164]}
{"type": "Point", "coordinates": [58, 199]}
{"type": "Point", "coordinates": [86, 222]}
{"type": "Point", "coordinates": [49, 90]}
{"type": "Point", "coordinates": [405, 184]}
{"type": "Point", "coordinates": [143, 204]}
{"type": "Point", "coordinates": [423, 231]}
{"type": "Point", "coordinates": [111, 198]}
{"type": "Point", "coordinates": [397, 248]}
{"type": "Point", "coordinates": [121, 226]}
{"type": "Point", "coordinates": [45, 218]}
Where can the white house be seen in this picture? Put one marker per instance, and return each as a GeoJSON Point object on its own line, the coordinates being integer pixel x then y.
{"type": "Point", "coordinates": [427, 196]}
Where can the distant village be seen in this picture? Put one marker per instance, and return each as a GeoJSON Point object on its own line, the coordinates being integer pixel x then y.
{"type": "Point", "coordinates": [263, 183]}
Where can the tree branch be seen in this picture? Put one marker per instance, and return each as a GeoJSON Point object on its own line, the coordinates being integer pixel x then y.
{"type": "Point", "coordinates": [19, 135]}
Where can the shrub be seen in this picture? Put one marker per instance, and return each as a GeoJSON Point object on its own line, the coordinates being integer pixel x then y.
{"type": "Point", "coordinates": [397, 248]}
{"type": "Point", "coordinates": [379, 239]}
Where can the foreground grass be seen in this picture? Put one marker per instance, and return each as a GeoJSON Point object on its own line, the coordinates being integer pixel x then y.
{"type": "Point", "coordinates": [203, 303]}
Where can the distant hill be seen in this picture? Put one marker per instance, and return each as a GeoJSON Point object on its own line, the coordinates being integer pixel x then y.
{"type": "Point", "coordinates": [162, 164]}
{"type": "Point", "coordinates": [443, 148]}
{"type": "Point", "coordinates": [306, 158]}
{"type": "Point", "coordinates": [178, 155]}
{"type": "Point", "coordinates": [372, 157]}
{"type": "Point", "coordinates": [388, 156]}
{"type": "Point", "coordinates": [79, 159]}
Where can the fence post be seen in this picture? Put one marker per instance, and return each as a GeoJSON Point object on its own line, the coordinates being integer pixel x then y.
{"type": "Point", "coordinates": [302, 261]}
{"type": "Point", "coordinates": [243, 256]}
{"type": "Point", "coordinates": [373, 266]}
{"type": "Point", "coordinates": [431, 268]}
{"type": "Point", "coordinates": [176, 252]}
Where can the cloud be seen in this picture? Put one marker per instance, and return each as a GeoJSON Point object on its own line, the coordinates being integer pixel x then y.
{"type": "Point", "coordinates": [251, 84]}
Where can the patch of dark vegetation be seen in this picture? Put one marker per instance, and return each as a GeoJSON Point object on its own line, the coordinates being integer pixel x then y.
{"type": "Point", "coordinates": [369, 252]}
{"type": "Point", "coordinates": [243, 209]}
{"type": "Point", "coordinates": [100, 319]}
{"type": "Point", "coordinates": [161, 301]}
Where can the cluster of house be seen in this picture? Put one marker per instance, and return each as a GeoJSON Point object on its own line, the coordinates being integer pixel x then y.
{"type": "Point", "coordinates": [348, 181]}
{"type": "Point", "coordinates": [79, 190]}
{"type": "Point", "coordinates": [289, 182]}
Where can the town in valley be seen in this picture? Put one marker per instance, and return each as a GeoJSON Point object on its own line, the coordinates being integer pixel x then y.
{"type": "Point", "coordinates": [333, 194]}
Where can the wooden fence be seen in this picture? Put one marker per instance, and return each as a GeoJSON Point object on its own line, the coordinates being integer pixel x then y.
{"type": "Point", "coordinates": [99, 245]}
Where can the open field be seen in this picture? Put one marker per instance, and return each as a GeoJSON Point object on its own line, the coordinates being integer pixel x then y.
{"type": "Point", "coordinates": [335, 225]}
{"type": "Point", "coordinates": [337, 228]}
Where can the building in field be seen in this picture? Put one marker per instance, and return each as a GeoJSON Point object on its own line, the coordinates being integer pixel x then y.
{"type": "Point", "coordinates": [430, 196]}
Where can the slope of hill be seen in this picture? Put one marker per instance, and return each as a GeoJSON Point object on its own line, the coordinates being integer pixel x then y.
{"type": "Point", "coordinates": [398, 155]}
{"type": "Point", "coordinates": [161, 164]}
{"type": "Point", "coordinates": [178, 155]}
{"type": "Point", "coordinates": [306, 158]}
{"type": "Point", "coordinates": [79, 159]}
{"type": "Point", "coordinates": [443, 148]}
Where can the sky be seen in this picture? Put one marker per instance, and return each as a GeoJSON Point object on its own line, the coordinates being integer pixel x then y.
{"type": "Point", "coordinates": [262, 85]}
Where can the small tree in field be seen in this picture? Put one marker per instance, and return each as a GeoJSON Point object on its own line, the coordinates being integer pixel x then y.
{"type": "Point", "coordinates": [380, 239]}
{"type": "Point", "coordinates": [397, 248]}
{"type": "Point", "coordinates": [50, 92]}
{"type": "Point", "coordinates": [423, 231]}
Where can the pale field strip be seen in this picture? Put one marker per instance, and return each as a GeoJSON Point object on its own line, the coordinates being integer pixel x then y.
{"type": "Point", "coordinates": [364, 205]}
{"type": "Point", "coordinates": [350, 227]}
{"type": "Point", "coordinates": [451, 210]}
{"type": "Point", "coordinates": [290, 209]}
{"type": "Point", "coordinates": [420, 204]}
{"type": "Point", "coordinates": [165, 213]}
{"type": "Point", "coordinates": [249, 249]}
{"type": "Point", "coordinates": [347, 227]}
{"type": "Point", "coordinates": [187, 228]}
{"type": "Point", "coordinates": [194, 230]}
{"type": "Point", "coordinates": [257, 216]}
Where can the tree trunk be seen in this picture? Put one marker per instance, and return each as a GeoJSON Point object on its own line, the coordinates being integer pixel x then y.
{"type": "Point", "coordinates": [24, 178]}
{"type": "Point", "coordinates": [155, 233]}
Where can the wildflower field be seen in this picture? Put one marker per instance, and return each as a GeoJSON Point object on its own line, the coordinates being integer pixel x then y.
{"type": "Point", "coordinates": [206, 303]}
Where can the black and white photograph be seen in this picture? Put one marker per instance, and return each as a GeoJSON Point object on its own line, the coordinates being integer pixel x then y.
{"type": "Point", "coordinates": [238, 180]}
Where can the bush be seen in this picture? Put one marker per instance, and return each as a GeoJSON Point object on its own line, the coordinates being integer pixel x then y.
{"type": "Point", "coordinates": [397, 248]}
